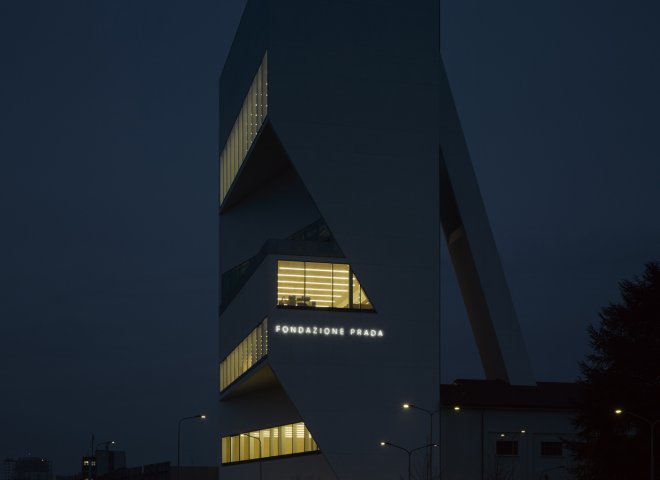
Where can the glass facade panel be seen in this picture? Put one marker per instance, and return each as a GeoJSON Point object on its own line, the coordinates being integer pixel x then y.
{"type": "Point", "coordinates": [290, 282]}
{"type": "Point", "coordinates": [286, 440]}
{"type": "Point", "coordinates": [254, 445]}
{"type": "Point", "coordinates": [319, 285]}
{"type": "Point", "coordinates": [340, 285]}
{"type": "Point", "coordinates": [248, 122]}
{"type": "Point", "coordinates": [226, 450]}
{"type": "Point", "coordinates": [298, 437]}
{"type": "Point", "coordinates": [365, 304]}
{"type": "Point", "coordinates": [264, 435]}
{"type": "Point", "coordinates": [235, 449]}
{"type": "Point", "coordinates": [244, 445]}
{"type": "Point", "coordinates": [309, 443]}
{"type": "Point", "coordinates": [275, 442]}
{"type": "Point", "coordinates": [245, 355]}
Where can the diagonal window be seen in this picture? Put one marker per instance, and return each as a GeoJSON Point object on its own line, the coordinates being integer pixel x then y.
{"type": "Point", "coordinates": [245, 129]}
{"type": "Point", "coordinates": [252, 349]}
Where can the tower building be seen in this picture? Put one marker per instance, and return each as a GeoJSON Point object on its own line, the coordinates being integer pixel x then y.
{"type": "Point", "coordinates": [341, 161]}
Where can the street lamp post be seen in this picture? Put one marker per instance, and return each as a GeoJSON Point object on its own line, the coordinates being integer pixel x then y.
{"type": "Point", "coordinates": [651, 425]}
{"type": "Point", "coordinates": [409, 406]}
{"type": "Point", "coordinates": [178, 441]}
{"type": "Point", "coordinates": [260, 459]}
{"type": "Point", "coordinates": [409, 452]}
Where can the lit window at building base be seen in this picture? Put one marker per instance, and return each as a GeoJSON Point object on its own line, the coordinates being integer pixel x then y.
{"type": "Point", "coordinates": [267, 443]}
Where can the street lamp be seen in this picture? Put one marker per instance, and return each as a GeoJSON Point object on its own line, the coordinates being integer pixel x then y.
{"type": "Point", "coordinates": [201, 416]}
{"type": "Point", "coordinates": [409, 452]}
{"type": "Point", "coordinates": [410, 406]}
{"type": "Point", "coordinates": [260, 459]}
{"type": "Point", "coordinates": [651, 425]}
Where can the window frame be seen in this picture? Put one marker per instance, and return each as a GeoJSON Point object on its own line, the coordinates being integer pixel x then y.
{"type": "Point", "coordinates": [350, 286]}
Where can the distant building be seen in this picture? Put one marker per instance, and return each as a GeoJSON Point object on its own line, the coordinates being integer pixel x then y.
{"type": "Point", "coordinates": [28, 468]}
{"type": "Point", "coordinates": [492, 430]}
{"type": "Point", "coordinates": [102, 463]}
{"type": "Point", "coordinates": [88, 468]}
{"type": "Point", "coordinates": [107, 461]}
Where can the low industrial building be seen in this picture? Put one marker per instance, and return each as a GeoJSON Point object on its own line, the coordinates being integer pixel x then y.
{"type": "Point", "coordinates": [495, 431]}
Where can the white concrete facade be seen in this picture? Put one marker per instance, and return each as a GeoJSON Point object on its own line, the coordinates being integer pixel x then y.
{"type": "Point", "coordinates": [354, 145]}
{"type": "Point", "coordinates": [357, 145]}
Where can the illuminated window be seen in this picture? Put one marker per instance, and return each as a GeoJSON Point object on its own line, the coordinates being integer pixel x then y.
{"type": "Point", "coordinates": [506, 447]}
{"type": "Point", "coordinates": [269, 442]}
{"type": "Point", "coordinates": [245, 129]}
{"type": "Point", "coordinates": [252, 349]}
{"type": "Point", "coordinates": [319, 285]}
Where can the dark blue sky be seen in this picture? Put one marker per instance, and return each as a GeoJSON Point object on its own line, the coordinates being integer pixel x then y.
{"type": "Point", "coordinates": [108, 185]}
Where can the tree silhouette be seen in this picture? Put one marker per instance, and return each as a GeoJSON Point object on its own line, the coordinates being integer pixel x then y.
{"type": "Point", "coordinates": [623, 371]}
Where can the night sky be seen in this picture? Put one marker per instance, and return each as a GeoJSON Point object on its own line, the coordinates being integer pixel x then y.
{"type": "Point", "coordinates": [108, 185]}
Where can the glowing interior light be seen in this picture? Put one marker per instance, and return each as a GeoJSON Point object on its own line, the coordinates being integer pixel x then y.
{"type": "Point", "coordinates": [244, 130]}
{"type": "Point", "coordinates": [313, 284]}
{"type": "Point", "coordinates": [326, 289]}
{"type": "Point", "coordinates": [245, 355]}
{"type": "Point", "coordinates": [322, 295]}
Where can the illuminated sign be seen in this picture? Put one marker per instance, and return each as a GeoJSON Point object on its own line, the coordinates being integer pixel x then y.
{"type": "Point", "coordinates": [303, 330]}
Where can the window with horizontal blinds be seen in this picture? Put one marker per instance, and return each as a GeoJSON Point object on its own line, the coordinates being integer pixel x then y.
{"type": "Point", "coordinates": [268, 442]}
{"type": "Point", "coordinates": [319, 285]}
